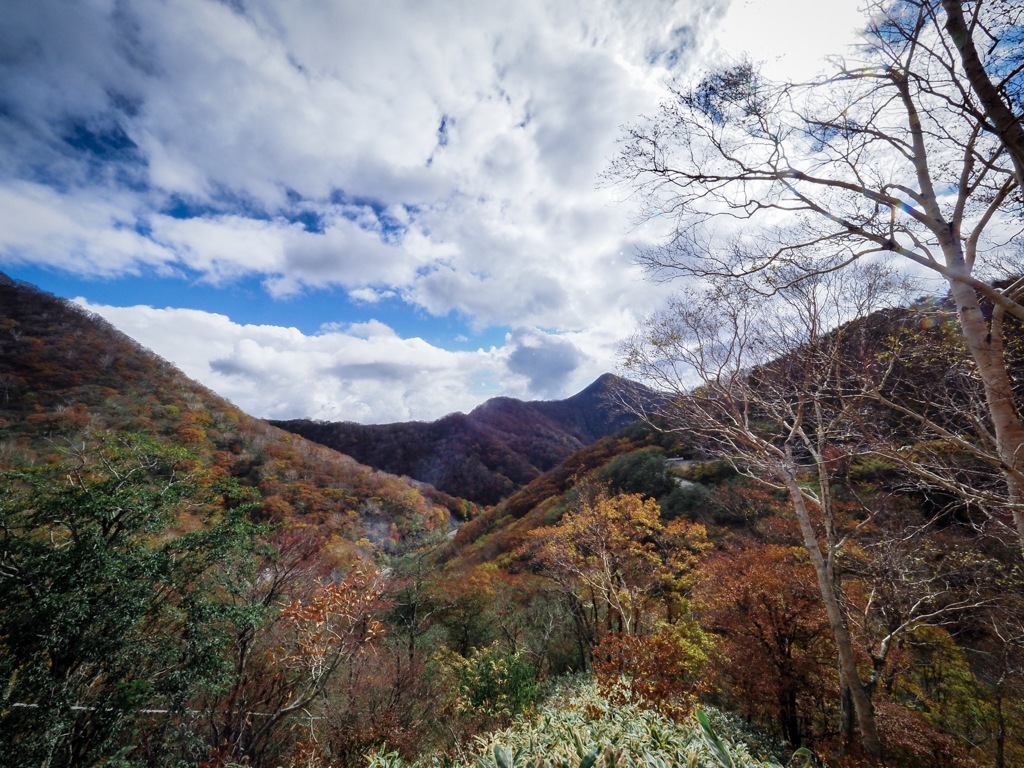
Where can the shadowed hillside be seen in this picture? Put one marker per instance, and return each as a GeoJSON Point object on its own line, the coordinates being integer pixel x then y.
{"type": "Point", "coordinates": [488, 454]}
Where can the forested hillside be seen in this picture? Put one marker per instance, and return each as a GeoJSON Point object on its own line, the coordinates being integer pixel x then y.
{"type": "Point", "coordinates": [170, 566]}
{"type": "Point", "coordinates": [710, 590]}
{"type": "Point", "coordinates": [183, 567]}
{"type": "Point", "coordinates": [485, 455]}
{"type": "Point", "coordinates": [65, 375]}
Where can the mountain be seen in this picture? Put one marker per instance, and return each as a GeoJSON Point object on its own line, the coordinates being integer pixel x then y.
{"type": "Point", "coordinates": [488, 454]}
{"type": "Point", "coordinates": [66, 374]}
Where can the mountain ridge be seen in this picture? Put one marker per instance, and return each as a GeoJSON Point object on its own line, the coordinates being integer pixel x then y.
{"type": "Point", "coordinates": [488, 454]}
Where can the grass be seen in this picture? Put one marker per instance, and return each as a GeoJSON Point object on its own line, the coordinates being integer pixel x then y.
{"type": "Point", "coordinates": [577, 727]}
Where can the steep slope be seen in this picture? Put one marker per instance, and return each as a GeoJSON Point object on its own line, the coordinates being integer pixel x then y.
{"type": "Point", "coordinates": [488, 454]}
{"type": "Point", "coordinates": [630, 461]}
{"type": "Point", "coordinates": [65, 373]}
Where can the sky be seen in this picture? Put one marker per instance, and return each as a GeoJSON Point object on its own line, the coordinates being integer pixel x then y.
{"type": "Point", "coordinates": [357, 211]}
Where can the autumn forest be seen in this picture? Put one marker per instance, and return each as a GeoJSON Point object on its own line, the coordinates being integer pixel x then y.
{"type": "Point", "coordinates": [790, 533]}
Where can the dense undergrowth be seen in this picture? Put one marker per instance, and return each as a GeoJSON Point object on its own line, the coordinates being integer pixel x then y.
{"type": "Point", "coordinates": [579, 726]}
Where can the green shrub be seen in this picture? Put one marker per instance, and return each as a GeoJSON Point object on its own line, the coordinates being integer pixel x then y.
{"type": "Point", "coordinates": [492, 681]}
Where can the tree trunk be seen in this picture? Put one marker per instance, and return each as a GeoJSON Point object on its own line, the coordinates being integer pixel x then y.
{"type": "Point", "coordinates": [985, 345]}
{"type": "Point", "coordinates": [862, 706]}
{"type": "Point", "coordinates": [847, 721]}
{"type": "Point", "coordinates": [1000, 759]}
{"type": "Point", "coordinates": [986, 349]}
{"type": "Point", "coordinates": [789, 720]}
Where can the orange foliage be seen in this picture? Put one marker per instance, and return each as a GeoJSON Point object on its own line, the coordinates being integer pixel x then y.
{"type": "Point", "coordinates": [775, 637]}
{"type": "Point", "coordinates": [657, 669]}
{"type": "Point", "coordinates": [333, 623]}
{"type": "Point", "coordinates": [911, 740]}
{"type": "Point", "coordinates": [191, 435]}
{"type": "Point", "coordinates": [618, 552]}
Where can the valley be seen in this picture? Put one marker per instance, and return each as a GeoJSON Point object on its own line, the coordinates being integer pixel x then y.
{"type": "Point", "coordinates": [284, 577]}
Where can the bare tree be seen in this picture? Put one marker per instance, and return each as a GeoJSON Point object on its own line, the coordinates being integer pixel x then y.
{"type": "Point", "coordinates": [1000, 665]}
{"type": "Point", "coordinates": [890, 154]}
{"type": "Point", "coordinates": [933, 420]}
{"type": "Point", "coordinates": [762, 381]}
{"type": "Point", "coordinates": [770, 378]}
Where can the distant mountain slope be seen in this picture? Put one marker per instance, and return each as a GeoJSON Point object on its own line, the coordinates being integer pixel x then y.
{"type": "Point", "coordinates": [64, 373]}
{"type": "Point", "coordinates": [500, 530]}
{"type": "Point", "coordinates": [491, 452]}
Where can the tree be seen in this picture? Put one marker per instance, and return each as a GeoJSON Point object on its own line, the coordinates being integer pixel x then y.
{"type": "Point", "coordinates": [1001, 27]}
{"type": "Point", "coordinates": [892, 153]}
{"type": "Point", "coordinates": [1001, 669]}
{"type": "Point", "coordinates": [467, 608]}
{"type": "Point", "coordinates": [643, 472]}
{"type": "Point", "coordinates": [615, 554]}
{"type": "Point", "coordinates": [772, 381]}
{"type": "Point", "coordinates": [293, 629]}
{"type": "Point", "coordinates": [103, 612]}
{"type": "Point", "coordinates": [775, 638]}
{"type": "Point", "coordinates": [765, 382]}
{"type": "Point", "coordinates": [324, 632]}
{"type": "Point", "coordinates": [923, 378]}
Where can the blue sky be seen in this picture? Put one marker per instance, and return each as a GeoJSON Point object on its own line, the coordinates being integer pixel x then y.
{"type": "Point", "coordinates": [355, 211]}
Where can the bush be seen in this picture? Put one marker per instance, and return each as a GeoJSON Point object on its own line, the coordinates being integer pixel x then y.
{"type": "Point", "coordinates": [491, 681]}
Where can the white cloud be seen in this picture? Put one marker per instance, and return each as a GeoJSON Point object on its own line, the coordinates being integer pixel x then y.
{"type": "Point", "coordinates": [791, 41]}
{"type": "Point", "coordinates": [370, 295]}
{"type": "Point", "coordinates": [363, 373]}
{"type": "Point", "coordinates": [83, 232]}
